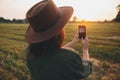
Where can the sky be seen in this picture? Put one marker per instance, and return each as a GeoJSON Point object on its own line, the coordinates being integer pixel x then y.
{"type": "Point", "coordinates": [89, 10]}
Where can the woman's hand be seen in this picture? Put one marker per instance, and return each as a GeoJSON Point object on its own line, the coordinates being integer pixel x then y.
{"type": "Point", "coordinates": [74, 40]}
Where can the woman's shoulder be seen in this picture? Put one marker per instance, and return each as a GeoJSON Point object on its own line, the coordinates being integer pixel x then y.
{"type": "Point", "coordinates": [68, 52]}
{"type": "Point", "coordinates": [62, 53]}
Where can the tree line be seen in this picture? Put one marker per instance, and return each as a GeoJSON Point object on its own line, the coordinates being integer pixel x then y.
{"type": "Point", "coordinates": [117, 18]}
{"type": "Point", "coordinates": [3, 20]}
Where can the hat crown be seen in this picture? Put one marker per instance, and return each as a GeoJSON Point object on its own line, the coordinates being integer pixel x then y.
{"type": "Point", "coordinates": [43, 16]}
{"type": "Point", "coordinates": [36, 9]}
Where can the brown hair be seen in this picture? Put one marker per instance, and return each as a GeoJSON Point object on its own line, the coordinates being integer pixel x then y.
{"type": "Point", "coordinates": [48, 46]}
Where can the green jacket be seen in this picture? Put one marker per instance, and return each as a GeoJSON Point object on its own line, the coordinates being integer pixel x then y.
{"type": "Point", "coordinates": [65, 64]}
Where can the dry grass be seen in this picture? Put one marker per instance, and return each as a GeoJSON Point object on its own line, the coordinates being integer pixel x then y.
{"type": "Point", "coordinates": [104, 71]}
{"type": "Point", "coordinates": [104, 48]}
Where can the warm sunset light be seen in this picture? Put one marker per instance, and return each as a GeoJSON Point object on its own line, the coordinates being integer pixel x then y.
{"type": "Point", "coordinates": [46, 45]}
{"type": "Point", "coordinates": [92, 10]}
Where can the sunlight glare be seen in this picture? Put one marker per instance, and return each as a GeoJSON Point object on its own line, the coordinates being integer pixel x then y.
{"type": "Point", "coordinates": [95, 9]}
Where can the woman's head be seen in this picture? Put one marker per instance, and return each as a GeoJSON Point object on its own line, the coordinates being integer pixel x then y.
{"type": "Point", "coordinates": [48, 46]}
{"type": "Point", "coordinates": [45, 20]}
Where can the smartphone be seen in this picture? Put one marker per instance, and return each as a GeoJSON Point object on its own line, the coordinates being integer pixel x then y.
{"type": "Point", "coordinates": [82, 31]}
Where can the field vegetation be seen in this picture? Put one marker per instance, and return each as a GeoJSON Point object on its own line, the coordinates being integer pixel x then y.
{"type": "Point", "coordinates": [104, 49]}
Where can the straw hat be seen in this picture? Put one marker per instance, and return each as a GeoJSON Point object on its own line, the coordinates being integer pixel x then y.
{"type": "Point", "coordinates": [46, 20]}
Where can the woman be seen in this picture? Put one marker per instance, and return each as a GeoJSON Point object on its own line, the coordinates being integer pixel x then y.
{"type": "Point", "coordinates": [46, 58]}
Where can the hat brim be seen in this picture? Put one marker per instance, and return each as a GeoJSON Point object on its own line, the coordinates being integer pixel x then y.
{"type": "Point", "coordinates": [34, 37]}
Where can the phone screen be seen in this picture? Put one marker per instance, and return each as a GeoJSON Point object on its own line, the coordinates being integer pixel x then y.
{"type": "Point", "coordinates": [82, 30]}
